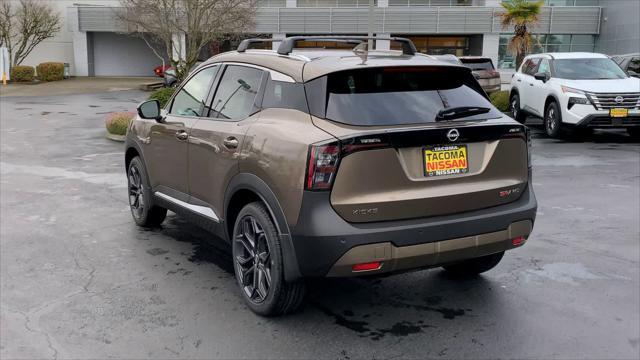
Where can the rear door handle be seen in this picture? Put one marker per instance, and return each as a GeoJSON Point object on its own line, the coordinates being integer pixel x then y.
{"type": "Point", "coordinates": [519, 80]}
{"type": "Point", "coordinates": [530, 84]}
{"type": "Point", "coordinates": [182, 135]}
{"type": "Point", "coordinates": [230, 142]}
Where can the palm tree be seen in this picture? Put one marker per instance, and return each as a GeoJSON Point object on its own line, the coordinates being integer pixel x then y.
{"type": "Point", "coordinates": [521, 14]}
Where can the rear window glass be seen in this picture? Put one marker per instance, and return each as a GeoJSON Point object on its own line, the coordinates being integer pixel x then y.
{"type": "Point", "coordinates": [395, 95]}
{"type": "Point", "coordinates": [478, 64]}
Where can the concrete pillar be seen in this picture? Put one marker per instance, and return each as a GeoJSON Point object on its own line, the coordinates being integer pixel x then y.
{"type": "Point", "coordinates": [81, 54]}
{"type": "Point", "coordinates": [82, 51]}
{"type": "Point", "coordinates": [494, 3]}
{"type": "Point", "coordinates": [490, 44]}
{"type": "Point", "coordinates": [292, 3]}
{"type": "Point", "coordinates": [275, 44]}
{"type": "Point", "coordinates": [383, 3]}
{"type": "Point", "coordinates": [179, 52]}
{"type": "Point", "coordinates": [383, 44]}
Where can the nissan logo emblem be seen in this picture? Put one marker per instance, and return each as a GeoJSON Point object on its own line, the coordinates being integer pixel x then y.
{"type": "Point", "coordinates": [619, 99]}
{"type": "Point", "coordinates": [453, 135]}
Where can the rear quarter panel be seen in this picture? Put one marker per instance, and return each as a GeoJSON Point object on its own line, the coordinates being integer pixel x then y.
{"type": "Point", "coordinates": [276, 149]}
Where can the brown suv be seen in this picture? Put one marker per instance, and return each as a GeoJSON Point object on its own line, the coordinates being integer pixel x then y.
{"type": "Point", "coordinates": [483, 70]}
{"type": "Point", "coordinates": [334, 163]}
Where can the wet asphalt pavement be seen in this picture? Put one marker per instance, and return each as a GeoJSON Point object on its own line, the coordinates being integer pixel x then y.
{"type": "Point", "coordinates": [80, 280]}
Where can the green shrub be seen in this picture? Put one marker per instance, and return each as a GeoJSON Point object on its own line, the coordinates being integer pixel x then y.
{"type": "Point", "coordinates": [22, 73]}
{"type": "Point", "coordinates": [50, 71]}
{"type": "Point", "coordinates": [118, 122]}
{"type": "Point", "coordinates": [163, 95]}
{"type": "Point", "coordinates": [500, 99]}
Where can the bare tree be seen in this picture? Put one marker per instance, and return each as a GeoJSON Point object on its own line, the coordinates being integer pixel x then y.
{"type": "Point", "coordinates": [199, 21]}
{"type": "Point", "coordinates": [24, 25]}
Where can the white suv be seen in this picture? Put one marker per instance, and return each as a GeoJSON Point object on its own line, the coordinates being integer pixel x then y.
{"type": "Point", "coordinates": [575, 91]}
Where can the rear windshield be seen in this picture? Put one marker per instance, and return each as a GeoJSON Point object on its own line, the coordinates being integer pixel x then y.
{"type": "Point", "coordinates": [480, 64]}
{"type": "Point", "coordinates": [395, 95]}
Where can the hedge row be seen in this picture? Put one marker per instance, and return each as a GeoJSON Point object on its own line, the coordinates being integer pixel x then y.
{"type": "Point", "coordinates": [47, 71]}
{"type": "Point", "coordinates": [22, 73]}
{"type": "Point", "coordinates": [50, 71]}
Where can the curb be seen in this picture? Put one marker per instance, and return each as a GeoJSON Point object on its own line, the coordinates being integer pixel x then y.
{"type": "Point", "coordinates": [114, 137]}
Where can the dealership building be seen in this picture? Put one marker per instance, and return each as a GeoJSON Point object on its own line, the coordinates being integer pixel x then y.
{"type": "Point", "coordinates": [95, 43]}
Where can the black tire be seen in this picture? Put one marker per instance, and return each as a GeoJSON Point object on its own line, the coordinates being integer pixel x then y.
{"type": "Point", "coordinates": [475, 266]}
{"type": "Point", "coordinates": [553, 120]}
{"type": "Point", "coordinates": [143, 210]}
{"type": "Point", "coordinates": [634, 133]}
{"type": "Point", "coordinates": [516, 113]}
{"type": "Point", "coordinates": [258, 264]}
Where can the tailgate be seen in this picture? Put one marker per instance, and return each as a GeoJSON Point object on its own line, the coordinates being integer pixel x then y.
{"type": "Point", "coordinates": [394, 182]}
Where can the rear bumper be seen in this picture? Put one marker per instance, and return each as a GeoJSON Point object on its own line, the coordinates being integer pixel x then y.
{"type": "Point", "coordinates": [393, 258]}
{"type": "Point", "coordinates": [606, 121]}
{"type": "Point", "coordinates": [325, 244]}
{"type": "Point", "coordinates": [491, 88]}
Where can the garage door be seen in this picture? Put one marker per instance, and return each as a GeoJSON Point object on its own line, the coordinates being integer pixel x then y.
{"type": "Point", "coordinates": [121, 55]}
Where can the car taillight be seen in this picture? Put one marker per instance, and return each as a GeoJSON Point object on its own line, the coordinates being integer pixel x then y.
{"type": "Point", "coordinates": [322, 166]}
{"type": "Point", "coordinates": [494, 73]}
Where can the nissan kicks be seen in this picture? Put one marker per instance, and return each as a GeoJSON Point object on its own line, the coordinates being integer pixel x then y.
{"type": "Point", "coordinates": [334, 163]}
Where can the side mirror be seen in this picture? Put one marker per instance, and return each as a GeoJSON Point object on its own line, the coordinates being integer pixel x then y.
{"type": "Point", "coordinates": [150, 110]}
{"type": "Point", "coordinates": [544, 77]}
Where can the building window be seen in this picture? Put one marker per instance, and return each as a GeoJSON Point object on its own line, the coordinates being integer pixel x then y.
{"type": "Point", "coordinates": [272, 3]}
{"type": "Point", "coordinates": [569, 2]}
{"type": "Point", "coordinates": [438, 45]}
{"type": "Point", "coordinates": [546, 43]}
{"type": "Point", "coordinates": [335, 3]}
{"type": "Point", "coordinates": [436, 2]}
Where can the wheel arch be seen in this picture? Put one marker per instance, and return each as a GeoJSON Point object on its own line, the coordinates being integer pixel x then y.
{"type": "Point", "coordinates": [132, 150]}
{"type": "Point", "coordinates": [245, 188]}
{"type": "Point", "coordinates": [551, 98]}
{"type": "Point", "coordinates": [129, 155]}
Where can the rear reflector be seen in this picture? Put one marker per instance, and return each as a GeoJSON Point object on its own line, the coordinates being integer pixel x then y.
{"type": "Point", "coordinates": [518, 241]}
{"type": "Point", "coordinates": [367, 266]}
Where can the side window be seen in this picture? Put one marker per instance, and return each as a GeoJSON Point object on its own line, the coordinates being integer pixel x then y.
{"type": "Point", "coordinates": [284, 95]}
{"type": "Point", "coordinates": [190, 99]}
{"type": "Point", "coordinates": [544, 67]}
{"type": "Point", "coordinates": [236, 94]}
{"type": "Point", "coordinates": [530, 66]}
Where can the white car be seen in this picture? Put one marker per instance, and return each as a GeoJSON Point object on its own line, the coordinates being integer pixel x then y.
{"type": "Point", "coordinates": [575, 91]}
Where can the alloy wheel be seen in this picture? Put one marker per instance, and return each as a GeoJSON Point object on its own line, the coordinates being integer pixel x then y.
{"type": "Point", "coordinates": [551, 121]}
{"type": "Point", "coordinates": [514, 107]}
{"type": "Point", "coordinates": [252, 259]}
{"type": "Point", "coordinates": [136, 192]}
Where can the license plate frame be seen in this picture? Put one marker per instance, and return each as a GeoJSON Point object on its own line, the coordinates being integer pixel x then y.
{"type": "Point", "coordinates": [454, 169]}
{"type": "Point", "coordinates": [619, 112]}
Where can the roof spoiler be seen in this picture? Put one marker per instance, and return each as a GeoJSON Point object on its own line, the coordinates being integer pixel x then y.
{"type": "Point", "coordinates": [287, 44]}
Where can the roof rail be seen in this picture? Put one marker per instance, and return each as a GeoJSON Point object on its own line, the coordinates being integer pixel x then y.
{"type": "Point", "coordinates": [287, 44]}
{"type": "Point", "coordinates": [244, 45]}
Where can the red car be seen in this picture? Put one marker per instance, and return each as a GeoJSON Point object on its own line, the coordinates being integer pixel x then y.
{"type": "Point", "coordinates": [160, 69]}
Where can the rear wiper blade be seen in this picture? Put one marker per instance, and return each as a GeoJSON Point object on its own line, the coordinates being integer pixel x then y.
{"type": "Point", "coordinates": [460, 112]}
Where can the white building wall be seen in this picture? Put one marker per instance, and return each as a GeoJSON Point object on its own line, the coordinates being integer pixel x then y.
{"type": "Point", "coordinates": [60, 48]}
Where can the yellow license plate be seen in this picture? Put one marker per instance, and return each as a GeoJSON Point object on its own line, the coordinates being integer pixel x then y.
{"type": "Point", "coordinates": [619, 112]}
{"type": "Point", "coordinates": [445, 160]}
